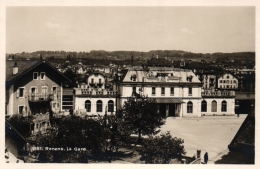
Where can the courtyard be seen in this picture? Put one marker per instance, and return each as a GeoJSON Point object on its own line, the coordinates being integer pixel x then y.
{"type": "Point", "coordinates": [210, 134]}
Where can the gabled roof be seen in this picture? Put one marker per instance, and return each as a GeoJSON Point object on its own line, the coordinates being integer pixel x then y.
{"type": "Point", "coordinates": [178, 73]}
{"type": "Point", "coordinates": [230, 74]}
{"type": "Point", "coordinates": [24, 67]}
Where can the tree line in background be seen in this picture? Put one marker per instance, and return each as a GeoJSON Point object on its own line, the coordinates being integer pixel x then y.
{"type": "Point", "coordinates": [138, 55]}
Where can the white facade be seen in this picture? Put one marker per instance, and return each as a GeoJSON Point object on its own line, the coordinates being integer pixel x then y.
{"type": "Point", "coordinates": [96, 80]}
{"type": "Point", "coordinates": [172, 89]}
{"type": "Point", "coordinates": [81, 105]}
{"type": "Point", "coordinates": [178, 93]}
{"type": "Point", "coordinates": [227, 81]}
{"type": "Point", "coordinates": [175, 90]}
{"type": "Point", "coordinates": [218, 106]}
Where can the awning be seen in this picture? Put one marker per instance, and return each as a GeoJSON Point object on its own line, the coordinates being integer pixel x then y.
{"type": "Point", "coordinates": [168, 100]}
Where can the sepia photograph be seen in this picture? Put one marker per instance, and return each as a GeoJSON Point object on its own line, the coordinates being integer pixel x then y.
{"type": "Point", "coordinates": [130, 84]}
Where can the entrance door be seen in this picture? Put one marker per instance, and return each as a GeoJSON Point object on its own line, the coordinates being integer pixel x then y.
{"type": "Point", "coordinates": [163, 109]}
{"type": "Point", "coordinates": [172, 109]}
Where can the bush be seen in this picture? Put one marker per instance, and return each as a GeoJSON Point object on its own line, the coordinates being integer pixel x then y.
{"type": "Point", "coordinates": [161, 149]}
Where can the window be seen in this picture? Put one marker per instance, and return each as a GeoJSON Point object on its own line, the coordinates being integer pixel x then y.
{"type": "Point", "coordinates": [54, 105]}
{"type": "Point", "coordinates": [189, 107]}
{"type": "Point", "coordinates": [44, 89]}
{"type": "Point", "coordinates": [220, 81]}
{"type": "Point", "coordinates": [88, 105]}
{"type": "Point", "coordinates": [42, 76]}
{"type": "Point", "coordinates": [223, 106]}
{"type": "Point", "coordinates": [224, 81]}
{"type": "Point", "coordinates": [54, 90]}
{"type": "Point", "coordinates": [92, 81]}
{"type": "Point", "coordinates": [133, 78]}
{"type": "Point", "coordinates": [203, 106]}
{"type": "Point", "coordinates": [21, 92]}
{"type": "Point", "coordinates": [213, 106]}
{"type": "Point", "coordinates": [153, 90]}
{"type": "Point", "coordinates": [99, 106]}
{"type": "Point", "coordinates": [190, 91]}
{"type": "Point", "coordinates": [110, 106]}
{"type": "Point", "coordinates": [227, 86]}
{"type": "Point", "coordinates": [99, 81]}
{"type": "Point", "coordinates": [134, 89]}
{"type": "Point", "coordinates": [235, 81]}
{"type": "Point", "coordinates": [21, 109]}
{"type": "Point", "coordinates": [220, 86]}
{"type": "Point", "coordinates": [163, 90]}
{"type": "Point", "coordinates": [172, 90]}
{"type": "Point", "coordinates": [35, 75]}
{"type": "Point", "coordinates": [227, 77]}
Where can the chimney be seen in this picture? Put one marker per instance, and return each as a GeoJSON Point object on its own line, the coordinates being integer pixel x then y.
{"type": "Point", "coordinates": [15, 68]}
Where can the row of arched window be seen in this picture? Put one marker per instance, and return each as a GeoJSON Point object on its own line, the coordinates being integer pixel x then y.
{"type": "Point", "coordinates": [99, 106]}
{"type": "Point", "coordinates": [204, 106]}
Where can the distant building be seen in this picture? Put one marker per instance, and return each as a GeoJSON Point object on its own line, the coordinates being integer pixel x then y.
{"type": "Point", "coordinates": [228, 81]}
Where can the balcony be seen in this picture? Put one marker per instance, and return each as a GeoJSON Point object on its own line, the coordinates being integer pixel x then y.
{"type": "Point", "coordinates": [42, 97]}
{"type": "Point", "coordinates": [218, 93]}
{"type": "Point", "coordinates": [93, 92]}
{"type": "Point", "coordinates": [41, 117]}
{"type": "Point", "coordinates": [163, 79]}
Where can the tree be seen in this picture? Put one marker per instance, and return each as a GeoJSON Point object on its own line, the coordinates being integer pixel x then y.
{"type": "Point", "coordinates": [161, 149]}
{"type": "Point", "coordinates": [141, 115]}
{"type": "Point", "coordinates": [73, 132]}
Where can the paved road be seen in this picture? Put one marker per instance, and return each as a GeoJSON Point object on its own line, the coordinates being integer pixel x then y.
{"type": "Point", "coordinates": [210, 134]}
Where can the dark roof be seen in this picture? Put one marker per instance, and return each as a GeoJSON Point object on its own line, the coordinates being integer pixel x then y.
{"type": "Point", "coordinates": [24, 67]}
{"type": "Point", "coordinates": [244, 140]}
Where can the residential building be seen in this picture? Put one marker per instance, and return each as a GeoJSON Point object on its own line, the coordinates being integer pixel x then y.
{"type": "Point", "coordinates": [228, 81]}
{"type": "Point", "coordinates": [33, 87]}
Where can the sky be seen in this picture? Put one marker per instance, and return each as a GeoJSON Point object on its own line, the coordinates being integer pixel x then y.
{"type": "Point", "coordinates": [193, 29]}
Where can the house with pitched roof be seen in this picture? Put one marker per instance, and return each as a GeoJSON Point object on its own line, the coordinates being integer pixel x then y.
{"type": "Point", "coordinates": [33, 87]}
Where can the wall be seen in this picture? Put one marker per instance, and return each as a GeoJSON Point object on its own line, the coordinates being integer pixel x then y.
{"type": "Point", "coordinates": [228, 82]}
{"type": "Point", "coordinates": [196, 108]}
{"type": "Point", "coordinates": [126, 91]}
{"type": "Point", "coordinates": [96, 79]}
{"type": "Point", "coordinates": [28, 82]}
{"type": "Point", "coordinates": [79, 104]}
{"type": "Point", "coordinates": [230, 106]}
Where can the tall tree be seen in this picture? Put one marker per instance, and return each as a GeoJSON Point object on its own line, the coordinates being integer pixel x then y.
{"type": "Point", "coordinates": [140, 114]}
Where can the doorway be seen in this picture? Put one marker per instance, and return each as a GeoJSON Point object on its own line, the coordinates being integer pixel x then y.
{"type": "Point", "coordinates": [172, 110]}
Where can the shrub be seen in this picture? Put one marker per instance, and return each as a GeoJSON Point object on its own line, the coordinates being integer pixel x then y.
{"type": "Point", "coordinates": [161, 149]}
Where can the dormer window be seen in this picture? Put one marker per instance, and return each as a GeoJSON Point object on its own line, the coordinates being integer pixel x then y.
{"type": "Point", "coordinates": [133, 78]}
{"type": "Point", "coordinates": [35, 75]}
{"type": "Point", "coordinates": [42, 76]}
{"type": "Point", "coordinates": [189, 78]}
